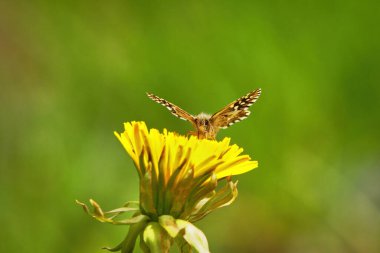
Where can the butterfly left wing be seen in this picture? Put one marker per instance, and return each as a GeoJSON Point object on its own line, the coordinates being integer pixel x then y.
{"type": "Point", "coordinates": [175, 110]}
{"type": "Point", "coordinates": [235, 111]}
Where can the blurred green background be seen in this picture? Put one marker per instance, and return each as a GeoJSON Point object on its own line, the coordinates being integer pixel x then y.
{"type": "Point", "coordinates": [72, 72]}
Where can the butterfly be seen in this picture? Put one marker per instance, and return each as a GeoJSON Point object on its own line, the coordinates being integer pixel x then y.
{"type": "Point", "coordinates": [206, 125]}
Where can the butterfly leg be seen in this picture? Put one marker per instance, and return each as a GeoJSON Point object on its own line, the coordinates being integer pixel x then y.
{"type": "Point", "coordinates": [193, 133]}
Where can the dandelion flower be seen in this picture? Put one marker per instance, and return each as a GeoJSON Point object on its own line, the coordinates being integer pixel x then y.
{"type": "Point", "coordinates": [179, 179]}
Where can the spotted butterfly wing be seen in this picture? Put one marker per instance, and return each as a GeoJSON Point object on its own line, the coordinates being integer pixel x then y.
{"type": "Point", "coordinates": [235, 111]}
{"type": "Point", "coordinates": [175, 110]}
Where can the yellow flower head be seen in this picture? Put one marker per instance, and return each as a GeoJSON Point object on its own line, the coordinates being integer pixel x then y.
{"type": "Point", "coordinates": [178, 172]}
{"type": "Point", "coordinates": [178, 185]}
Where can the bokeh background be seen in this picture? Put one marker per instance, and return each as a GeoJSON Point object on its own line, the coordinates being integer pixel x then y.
{"type": "Point", "coordinates": [71, 72]}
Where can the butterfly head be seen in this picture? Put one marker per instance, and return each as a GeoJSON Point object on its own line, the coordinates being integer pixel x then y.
{"type": "Point", "coordinates": [202, 122]}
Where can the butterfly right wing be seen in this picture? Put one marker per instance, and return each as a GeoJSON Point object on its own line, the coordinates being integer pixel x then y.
{"type": "Point", "coordinates": [235, 111]}
{"type": "Point", "coordinates": [175, 110]}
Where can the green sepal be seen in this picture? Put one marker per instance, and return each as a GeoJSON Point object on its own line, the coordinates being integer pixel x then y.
{"type": "Point", "coordinates": [193, 236]}
{"type": "Point", "coordinates": [101, 216]}
{"type": "Point", "coordinates": [172, 187]}
{"type": "Point", "coordinates": [136, 219]}
{"type": "Point", "coordinates": [156, 238]}
{"type": "Point", "coordinates": [185, 233]}
{"type": "Point", "coordinates": [147, 195]}
{"type": "Point", "coordinates": [183, 245]}
{"type": "Point", "coordinates": [169, 224]}
{"type": "Point", "coordinates": [128, 244]}
{"type": "Point", "coordinates": [143, 245]}
{"type": "Point", "coordinates": [114, 249]}
{"type": "Point", "coordinates": [223, 197]}
{"type": "Point", "coordinates": [199, 196]}
{"type": "Point", "coordinates": [181, 192]}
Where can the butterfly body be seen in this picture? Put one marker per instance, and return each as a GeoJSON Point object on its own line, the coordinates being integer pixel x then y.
{"type": "Point", "coordinates": [206, 125]}
{"type": "Point", "coordinates": [205, 129]}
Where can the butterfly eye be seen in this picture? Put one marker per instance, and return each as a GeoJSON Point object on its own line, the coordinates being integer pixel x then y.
{"type": "Point", "coordinates": [206, 122]}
